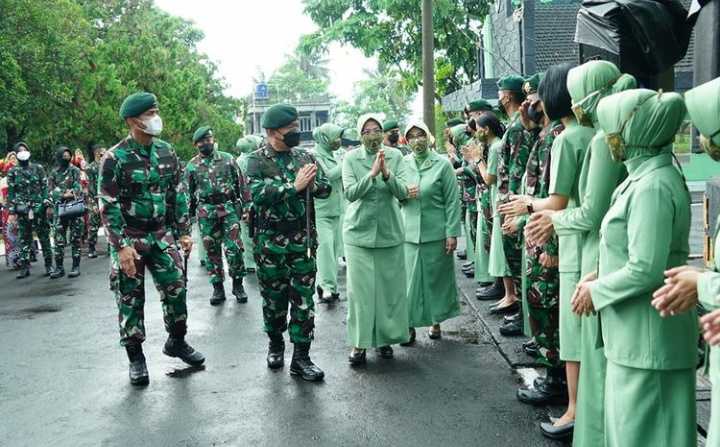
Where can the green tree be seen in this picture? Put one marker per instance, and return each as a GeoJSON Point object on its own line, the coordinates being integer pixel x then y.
{"type": "Point", "coordinates": [382, 92]}
{"type": "Point", "coordinates": [303, 77]}
{"type": "Point", "coordinates": [391, 30]}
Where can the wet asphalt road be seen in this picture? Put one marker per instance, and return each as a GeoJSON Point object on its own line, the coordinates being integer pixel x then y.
{"type": "Point", "coordinates": [63, 378]}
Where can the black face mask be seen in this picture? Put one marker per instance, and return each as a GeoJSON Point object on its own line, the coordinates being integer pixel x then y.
{"type": "Point", "coordinates": [24, 163]}
{"type": "Point", "coordinates": [472, 124]}
{"type": "Point", "coordinates": [292, 138]}
{"type": "Point", "coordinates": [535, 115]}
{"type": "Point", "coordinates": [61, 161]}
{"type": "Point", "coordinates": [207, 149]}
{"type": "Point", "coordinates": [393, 138]}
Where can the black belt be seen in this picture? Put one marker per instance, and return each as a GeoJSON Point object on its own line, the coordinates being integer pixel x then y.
{"type": "Point", "coordinates": [148, 226]}
{"type": "Point", "coordinates": [282, 226]}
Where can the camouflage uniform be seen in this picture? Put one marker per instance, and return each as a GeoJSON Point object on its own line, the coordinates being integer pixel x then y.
{"type": "Point", "coordinates": [543, 286]}
{"type": "Point", "coordinates": [511, 167]}
{"type": "Point", "coordinates": [94, 220]}
{"type": "Point", "coordinates": [285, 271]}
{"type": "Point", "coordinates": [139, 189]}
{"type": "Point", "coordinates": [470, 181]}
{"type": "Point", "coordinates": [217, 194]}
{"type": "Point", "coordinates": [59, 181]}
{"type": "Point", "coordinates": [28, 186]}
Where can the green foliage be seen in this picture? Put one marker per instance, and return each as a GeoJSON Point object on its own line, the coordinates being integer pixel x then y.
{"type": "Point", "coordinates": [67, 65]}
{"type": "Point", "coordinates": [303, 77]}
{"type": "Point", "coordinates": [382, 92]}
{"type": "Point", "coordinates": [391, 30]}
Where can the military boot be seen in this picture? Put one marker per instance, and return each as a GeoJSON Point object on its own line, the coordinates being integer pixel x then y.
{"type": "Point", "coordinates": [91, 251]}
{"type": "Point", "coordinates": [75, 271]}
{"type": "Point", "coordinates": [48, 268]}
{"type": "Point", "coordinates": [302, 366]}
{"type": "Point", "coordinates": [138, 369]}
{"type": "Point", "coordinates": [24, 271]}
{"type": "Point", "coordinates": [276, 352]}
{"type": "Point", "coordinates": [218, 295]}
{"type": "Point", "coordinates": [239, 291]}
{"type": "Point", "coordinates": [179, 348]}
{"type": "Point", "coordinates": [552, 390]}
{"type": "Point", "coordinates": [59, 271]}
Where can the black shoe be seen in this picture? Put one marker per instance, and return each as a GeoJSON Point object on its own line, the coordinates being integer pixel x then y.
{"type": "Point", "coordinates": [91, 252]}
{"type": "Point", "coordinates": [138, 369]}
{"type": "Point", "coordinates": [276, 353]}
{"type": "Point", "coordinates": [493, 292]}
{"type": "Point", "coordinates": [531, 348]}
{"type": "Point", "coordinates": [434, 335]}
{"type": "Point", "coordinates": [461, 255]}
{"type": "Point", "coordinates": [357, 358]}
{"type": "Point", "coordinates": [482, 285]}
{"type": "Point", "coordinates": [562, 432]}
{"type": "Point", "coordinates": [48, 270]}
{"type": "Point", "coordinates": [512, 329]}
{"type": "Point", "coordinates": [250, 270]}
{"type": "Point", "coordinates": [178, 347]}
{"type": "Point", "coordinates": [411, 340]}
{"type": "Point", "coordinates": [512, 318]}
{"type": "Point", "coordinates": [75, 271]}
{"type": "Point", "coordinates": [59, 272]}
{"type": "Point", "coordinates": [218, 295]}
{"type": "Point", "coordinates": [385, 352]}
{"type": "Point", "coordinates": [302, 366]}
{"type": "Point", "coordinates": [335, 297]}
{"type": "Point", "coordinates": [322, 298]}
{"type": "Point", "coordinates": [470, 274]}
{"type": "Point", "coordinates": [468, 265]}
{"type": "Point", "coordinates": [239, 291]}
{"type": "Point", "coordinates": [512, 308]}
{"type": "Point", "coordinates": [552, 390]}
{"type": "Point", "coordinates": [23, 273]}
{"type": "Point", "coordinates": [202, 263]}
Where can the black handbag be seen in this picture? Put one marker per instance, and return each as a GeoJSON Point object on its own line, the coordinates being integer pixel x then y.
{"type": "Point", "coordinates": [71, 210]}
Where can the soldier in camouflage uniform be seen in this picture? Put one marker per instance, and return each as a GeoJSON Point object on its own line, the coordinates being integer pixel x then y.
{"type": "Point", "coordinates": [246, 146]}
{"type": "Point", "coordinates": [140, 189]}
{"type": "Point", "coordinates": [217, 193]}
{"type": "Point", "coordinates": [391, 131]}
{"type": "Point", "coordinates": [94, 221]}
{"type": "Point", "coordinates": [29, 203]}
{"type": "Point", "coordinates": [64, 186]}
{"type": "Point", "coordinates": [283, 180]}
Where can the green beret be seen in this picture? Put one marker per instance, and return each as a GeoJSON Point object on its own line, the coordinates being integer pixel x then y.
{"type": "Point", "coordinates": [454, 122]}
{"type": "Point", "coordinates": [390, 125]}
{"type": "Point", "coordinates": [513, 83]}
{"type": "Point", "coordinates": [137, 104]}
{"type": "Point", "coordinates": [279, 115]}
{"type": "Point", "coordinates": [201, 133]}
{"type": "Point", "coordinates": [531, 83]}
{"type": "Point", "coordinates": [703, 104]}
{"type": "Point", "coordinates": [479, 105]}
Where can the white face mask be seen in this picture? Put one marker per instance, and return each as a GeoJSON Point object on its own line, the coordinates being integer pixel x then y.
{"type": "Point", "coordinates": [23, 155]}
{"type": "Point", "coordinates": [153, 126]}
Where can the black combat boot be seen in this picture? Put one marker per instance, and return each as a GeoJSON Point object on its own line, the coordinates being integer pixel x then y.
{"type": "Point", "coordinates": [493, 292]}
{"type": "Point", "coordinates": [24, 271]}
{"type": "Point", "coordinates": [75, 271]}
{"type": "Point", "coordinates": [239, 291]}
{"type": "Point", "coordinates": [91, 251]}
{"type": "Point", "coordinates": [48, 268]}
{"type": "Point", "coordinates": [138, 369]}
{"type": "Point", "coordinates": [59, 271]}
{"type": "Point", "coordinates": [302, 366]}
{"type": "Point", "coordinates": [218, 295]}
{"type": "Point", "coordinates": [552, 390]}
{"type": "Point", "coordinates": [276, 352]}
{"type": "Point", "coordinates": [178, 347]}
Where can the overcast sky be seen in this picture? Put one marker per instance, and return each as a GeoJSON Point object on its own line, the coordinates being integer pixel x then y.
{"type": "Point", "coordinates": [246, 36]}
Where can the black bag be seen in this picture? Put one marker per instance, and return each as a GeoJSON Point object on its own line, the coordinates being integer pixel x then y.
{"type": "Point", "coordinates": [21, 209]}
{"type": "Point", "coordinates": [71, 210]}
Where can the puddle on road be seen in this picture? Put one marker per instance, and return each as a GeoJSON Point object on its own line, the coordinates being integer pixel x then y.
{"type": "Point", "coordinates": [29, 313]}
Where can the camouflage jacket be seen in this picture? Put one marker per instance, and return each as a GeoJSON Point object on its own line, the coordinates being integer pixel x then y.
{"type": "Point", "coordinates": [513, 160]}
{"type": "Point", "coordinates": [27, 186]}
{"type": "Point", "coordinates": [141, 194]}
{"type": "Point", "coordinates": [92, 174]}
{"type": "Point", "coordinates": [537, 178]}
{"type": "Point", "coordinates": [61, 180]}
{"type": "Point", "coordinates": [215, 186]}
{"type": "Point", "coordinates": [280, 219]}
{"type": "Point", "coordinates": [469, 185]}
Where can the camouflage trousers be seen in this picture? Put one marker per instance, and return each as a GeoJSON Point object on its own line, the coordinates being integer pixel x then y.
{"type": "Point", "coordinates": [216, 232]}
{"type": "Point", "coordinates": [512, 245]}
{"type": "Point", "coordinates": [287, 280]}
{"type": "Point", "coordinates": [165, 266]}
{"type": "Point", "coordinates": [26, 226]}
{"type": "Point", "coordinates": [64, 231]}
{"type": "Point", "coordinates": [94, 224]}
{"type": "Point", "coordinates": [543, 297]}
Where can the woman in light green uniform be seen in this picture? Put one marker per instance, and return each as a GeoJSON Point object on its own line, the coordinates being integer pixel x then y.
{"type": "Point", "coordinates": [247, 145]}
{"type": "Point", "coordinates": [599, 176]}
{"type": "Point", "coordinates": [650, 377]}
{"type": "Point", "coordinates": [432, 226]}
{"type": "Point", "coordinates": [685, 286]}
{"type": "Point", "coordinates": [329, 156]}
{"type": "Point", "coordinates": [374, 181]}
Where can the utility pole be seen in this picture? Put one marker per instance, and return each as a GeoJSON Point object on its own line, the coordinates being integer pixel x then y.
{"type": "Point", "coordinates": [428, 64]}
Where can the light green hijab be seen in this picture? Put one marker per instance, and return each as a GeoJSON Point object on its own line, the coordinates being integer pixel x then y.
{"type": "Point", "coordinates": [592, 81]}
{"type": "Point", "coordinates": [703, 105]}
{"type": "Point", "coordinates": [327, 137]}
{"type": "Point", "coordinates": [640, 122]}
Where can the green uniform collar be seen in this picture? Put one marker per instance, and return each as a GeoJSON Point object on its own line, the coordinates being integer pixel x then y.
{"type": "Point", "coordinates": [641, 166]}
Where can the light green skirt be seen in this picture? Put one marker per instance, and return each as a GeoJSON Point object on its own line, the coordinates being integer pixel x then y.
{"type": "Point", "coordinates": [482, 257]}
{"type": "Point", "coordinates": [569, 322]}
{"type": "Point", "coordinates": [590, 413]}
{"type": "Point", "coordinates": [432, 289]}
{"type": "Point", "coordinates": [329, 233]}
{"type": "Point", "coordinates": [377, 296]}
